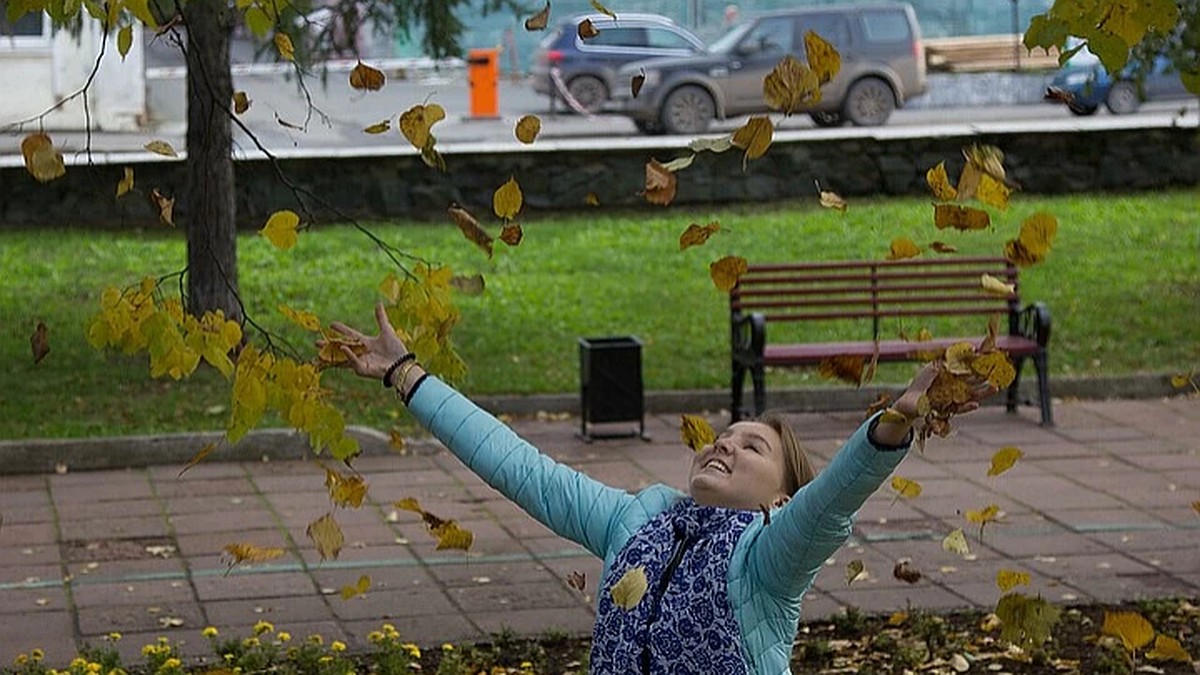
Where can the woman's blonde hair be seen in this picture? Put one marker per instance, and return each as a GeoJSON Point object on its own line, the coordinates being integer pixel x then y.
{"type": "Point", "coordinates": [799, 470]}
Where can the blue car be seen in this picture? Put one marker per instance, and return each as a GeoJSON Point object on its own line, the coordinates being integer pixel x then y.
{"type": "Point", "coordinates": [1083, 85]}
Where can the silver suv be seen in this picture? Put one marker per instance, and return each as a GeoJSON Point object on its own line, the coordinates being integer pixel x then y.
{"type": "Point", "coordinates": [883, 65]}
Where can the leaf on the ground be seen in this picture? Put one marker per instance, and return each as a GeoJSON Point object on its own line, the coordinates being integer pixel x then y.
{"type": "Point", "coordinates": [897, 619]}
{"type": "Point", "coordinates": [356, 589]}
{"type": "Point", "coordinates": [939, 182]}
{"type": "Point", "coordinates": [680, 163]}
{"type": "Point", "coordinates": [956, 542]}
{"type": "Point", "coordinates": [726, 271]}
{"type": "Point", "coordinates": [832, 200]}
{"type": "Point", "coordinates": [822, 57]}
{"type": "Point", "coordinates": [1131, 628]}
{"type": "Point", "coordinates": [695, 234]}
{"type": "Point", "coordinates": [596, 5]}
{"type": "Point", "coordinates": [538, 21]}
{"type": "Point", "coordinates": [169, 622]}
{"type": "Point", "coordinates": [790, 86]}
{"type": "Point", "coordinates": [1007, 580]}
{"type": "Point", "coordinates": [471, 229]}
{"type": "Point", "coordinates": [124, 40]}
{"type": "Point", "coordinates": [854, 569]}
{"type": "Point", "coordinates": [754, 137]}
{"type": "Point", "coordinates": [903, 248]}
{"type": "Point", "coordinates": [161, 148]}
{"type": "Point", "coordinates": [243, 552]}
{"type": "Point", "coordinates": [366, 77]}
{"type": "Point", "coordinates": [907, 488]}
{"type": "Point", "coordinates": [283, 45]}
{"type": "Point", "coordinates": [378, 127]}
{"type": "Point", "coordinates": [39, 342]}
{"type": "Point", "coordinates": [303, 318]}
{"type": "Point", "coordinates": [1004, 459]}
{"type": "Point", "coordinates": [512, 234]}
{"type": "Point", "coordinates": [164, 205]}
{"type": "Point", "coordinates": [528, 128]}
{"type": "Point", "coordinates": [696, 432]}
{"type": "Point", "coordinates": [636, 82]}
{"type": "Point", "coordinates": [905, 571]}
{"type": "Point", "coordinates": [197, 458]}
{"type": "Point", "coordinates": [345, 491]}
{"type": "Point", "coordinates": [42, 160]}
{"type": "Point", "coordinates": [1167, 648]}
{"type": "Point", "coordinates": [126, 182]}
{"type": "Point", "coordinates": [507, 199]}
{"type": "Point", "coordinates": [660, 183]}
{"type": "Point", "coordinates": [942, 247]}
{"type": "Point", "coordinates": [960, 217]}
{"type": "Point", "coordinates": [1026, 622]}
{"type": "Point", "coordinates": [587, 30]}
{"type": "Point", "coordinates": [630, 588]}
{"type": "Point", "coordinates": [241, 102]}
{"type": "Point", "coordinates": [844, 367]}
{"type": "Point", "coordinates": [474, 284]}
{"type": "Point", "coordinates": [996, 286]}
{"type": "Point", "coordinates": [718, 144]}
{"type": "Point", "coordinates": [281, 229]}
{"type": "Point", "coordinates": [577, 580]}
{"type": "Point", "coordinates": [327, 536]}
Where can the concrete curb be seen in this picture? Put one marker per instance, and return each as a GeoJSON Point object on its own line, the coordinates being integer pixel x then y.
{"type": "Point", "coordinates": [83, 454]}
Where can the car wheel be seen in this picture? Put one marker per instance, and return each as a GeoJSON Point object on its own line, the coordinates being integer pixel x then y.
{"type": "Point", "coordinates": [649, 128]}
{"type": "Point", "coordinates": [1122, 99]}
{"type": "Point", "coordinates": [1081, 109]}
{"type": "Point", "coordinates": [688, 110]}
{"type": "Point", "coordinates": [869, 103]}
{"type": "Point", "coordinates": [827, 118]}
{"type": "Point", "coordinates": [589, 91]}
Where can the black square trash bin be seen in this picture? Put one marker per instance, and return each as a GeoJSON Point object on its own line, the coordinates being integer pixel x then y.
{"type": "Point", "coordinates": [610, 385]}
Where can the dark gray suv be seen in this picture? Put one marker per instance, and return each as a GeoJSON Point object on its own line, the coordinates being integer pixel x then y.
{"type": "Point", "coordinates": [588, 68]}
{"type": "Point", "coordinates": [883, 65]}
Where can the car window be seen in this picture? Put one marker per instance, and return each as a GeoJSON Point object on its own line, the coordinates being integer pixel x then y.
{"type": "Point", "coordinates": [619, 37]}
{"type": "Point", "coordinates": [727, 41]}
{"type": "Point", "coordinates": [665, 39]}
{"type": "Point", "coordinates": [776, 34]}
{"type": "Point", "coordinates": [834, 29]}
{"type": "Point", "coordinates": [886, 27]}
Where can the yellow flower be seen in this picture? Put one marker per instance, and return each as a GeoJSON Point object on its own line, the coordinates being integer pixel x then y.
{"type": "Point", "coordinates": [250, 642]}
{"type": "Point", "coordinates": [21, 659]}
{"type": "Point", "coordinates": [325, 659]}
{"type": "Point", "coordinates": [162, 640]}
{"type": "Point", "coordinates": [93, 667]}
{"type": "Point", "coordinates": [337, 646]}
{"type": "Point", "coordinates": [37, 655]}
{"type": "Point", "coordinates": [170, 664]}
{"type": "Point", "coordinates": [263, 627]}
{"type": "Point", "coordinates": [374, 637]}
{"type": "Point", "coordinates": [447, 647]}
{"type": "Point", "coordinates": [413, 650]}
{"type": "Point", "coordinates": [284, 636]}
{"type": "Point", "coordinates": [81, 663]}
{"type": "Point", "coordinates": [390, 631]}
{"type": "Point", "coordinates": [114, 636]}
{"type": "Point", "coordinates": [316, 639]}
{"type": "Point", "coordinates": [147, 650]}
{"type": "Point", "coordinates": [210, 632]}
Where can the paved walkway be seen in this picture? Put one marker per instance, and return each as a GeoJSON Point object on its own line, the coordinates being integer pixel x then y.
{"type": "Point", "coordinates": [1100, 509]}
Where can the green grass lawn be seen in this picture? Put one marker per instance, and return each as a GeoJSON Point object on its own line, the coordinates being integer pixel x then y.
{"type": "Point", "coordinates": [1122, 282]}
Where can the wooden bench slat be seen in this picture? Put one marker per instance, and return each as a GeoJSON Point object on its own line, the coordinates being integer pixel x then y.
{"type": "Point", "coordinates": [891, 350]}
{"type": "Point", "coordinates": [972, 285]}
{"type": "Point", "coordinates": [878, 302]}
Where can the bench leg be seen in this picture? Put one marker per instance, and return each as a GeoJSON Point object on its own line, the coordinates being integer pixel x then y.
{"type": "Point", "coordinates": [739, 382]}
{"type": "Point", "coordinates": [758, 375]}
{"type": "Point", "coordinates": [1014, 389]}
{"type": "Point", "coordinates": [1041, 361]}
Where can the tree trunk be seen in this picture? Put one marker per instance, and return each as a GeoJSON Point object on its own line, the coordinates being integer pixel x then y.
{"type": "Point", "coordinates": [209, 198]}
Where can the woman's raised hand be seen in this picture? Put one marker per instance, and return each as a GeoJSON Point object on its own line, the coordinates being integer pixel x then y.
{"type": "Point", "coordinates": [907, 403]}
{"type": "Point", "coordinates": [378, 353]}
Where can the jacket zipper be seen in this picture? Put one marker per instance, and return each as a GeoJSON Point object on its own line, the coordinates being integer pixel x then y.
{"type": "Point", "coordinates": [681, 547]}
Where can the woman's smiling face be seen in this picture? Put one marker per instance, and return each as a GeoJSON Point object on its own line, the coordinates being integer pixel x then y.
{"type": "Point", "coordinates": [744, 468]}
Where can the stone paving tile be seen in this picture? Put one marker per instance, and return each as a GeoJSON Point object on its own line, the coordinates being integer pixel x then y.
{"type": "Point", "coordinates": [1106, 520]}
{"type": "Point", "coordinates": [382, 606]}
{"type": "Point", "coordinates": [218, 521]}
{"type": "Point", "coordinates": [26, 554]}
{"type": "Point", "coordinates": [396, 577]}
{"type": "Point", "coordinates": [99, 486]}
{"type": "Point", "coordinates": [1139, 489]}
{"type": "Point", "coordinates": [573, 621]}
{"type": "Point", "coordinates": [494, 597]}
{"type": "Point", "coordinates": [817, 606]}
{"type": "Point", "coordinates": [29, 533]}
{"type": "Point", "coordinates": [134, 570]}
{"type": "Point", "coordinates": [124, 508]}
{"type": "Point", "coordinates": [1059, 493]}
{"type": "Point", "coordinates": [227, 504]}
{"type": "Point", "coordinates": [230, 487]}
{"type": "Point", "coordinates": [888, 600]}
{"type": "Point", "coordinates": [212, 469]}
{"type": "Point", "coordinates": [253, 585]}
{"type": "Point", "coordinates": [470, 573]}
{"type": "Point", "coordinates": [279, 611]}
{"type": "Point", "coordinates": [49, 631]}
{"type": "Point", "coordinates": [984, 595]}
{"type": "Point", "coordinates": [1164, 538]}
{"type": "Point", "coordinates": [29, 574]}
{"type": "Point", "coordinates": [132, 527]}
{"type": "Point", "coordinates": [31, 601]}
{"type": "Point", "coordinates": [100, 621]}
{"type": "Point", "coordinates": [212, 543]}
{"type": "Point", "coordinates": [101, 593]}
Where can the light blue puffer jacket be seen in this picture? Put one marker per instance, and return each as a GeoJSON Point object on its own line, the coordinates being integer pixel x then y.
{"type": "Point", "coordinates": [772, 566]}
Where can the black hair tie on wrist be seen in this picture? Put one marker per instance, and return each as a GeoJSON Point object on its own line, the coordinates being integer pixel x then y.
{"type": "Point", "coordinates": [387, 376]}
{"type": "Point", "coordinates": [407, 396]}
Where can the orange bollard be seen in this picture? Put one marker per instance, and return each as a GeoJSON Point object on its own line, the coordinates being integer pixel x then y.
{"type": "Point", "coordinates": [483, 78]}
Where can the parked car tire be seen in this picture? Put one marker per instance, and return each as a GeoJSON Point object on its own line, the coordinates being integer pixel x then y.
{"type": "Point", "coordinates": [869, 103]}
{"type": "Point", "coordinates": [827, 119]}
{"type": "Point", "coordinates": [649, 128]}
{"type": "Point", "coordinates": [1122, 98]}
{"type": "Point", "coordinates": [1081, 109]}
{"type": "Point", "coordinates": [589, 91]}
{"type": "Point", "coordinates": [688, 110]}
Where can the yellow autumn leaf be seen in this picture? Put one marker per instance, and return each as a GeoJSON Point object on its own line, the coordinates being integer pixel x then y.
{"type": "Point", "coordinates": [538, 21]}
{"type": "Point", "coordinates": [844, 367]}
{"type": "Point", "coordinates": [960, 217]}
{"type": "Point", "coordinates": [507, 199]}
{"type": "Point", "coordinates": [958, 358]}
{"type": "Point", "coordinates": [586, 30]}
{"type": "Point", "coordinates": [630, 588]}
{"type": "Point", "coordinates": [1007, 580]}
{"type": "Point", "coordinates": [512, 234]}
{"type": "Point", "coordinates": [42, 160]}
{"type": "Point", "coordinates": [358, 588]}
{"type": "Point", "coordinates": [416, 122]}
{"type": "Point", "coordinates": [366, 77]}
{"type": "Point", "coordinates": [396, 441]}
{"type": "Point", "coordinates": [327, 536]}
{"type": "Point", "coordinates": [1132, 628]}
{"type": "Point", "coordinates": [471, 229]}
{"type": "Point", "coordinates": [909, 489]}
{"type": "Point", "coordinates": [1167, 648]}
{"type": "Point", "coordinates": [754, 137]}
{"type": "Point", "coordinates": [197, 458]}
{"type": "Point", "coordinates": [249, 553]}
{"type": "Point", "coordinates": [1033, 243]}
{"type": "Point", "coordinates": [474, 284]}
{"type": "Point", "coordinates": [161, 148]}
{"type": "Point", "coordinates": [679, 163]}
{"type": "Point", "coordinates": [1004, 459]}
{"type": "Point", "coordinates": [281, 229]}
{"type": "Point", "coordinates": [987, 514]}
{"type": "Point", "coordinates": [126, 183]}
{"type": "Point", "coordinates": [241, 102]}
{"type": "Point", "coordinates": [345, 491]}
{"type": "Point", "coordinates": [939, 183]}
{"type": "Point", "coordinates": [718, 144]}
{"type": "Point", "coordinates": [726, 271]}
{"type": "Point", "coordinates": [956, 542]}
{"type": "Point", "coordinates": [528, 128]}
{"type": "Point", "coordinates": [409, 504]}
{"type": "Point", "coordinates": [305, 319]}
{"type": "Point", "coordinates": [996, 367]}
{"type": "Point", "coordinates": [1196, 506]}
{"type": "Point", "coordinates": [992, 192]}
{"type": "Point", "coordinates": [591, 199]}
{"type": "Point", "coordinates": [451, 536]}
{"type": "Point", "coordinates": [987, 158]}
{"type": "Point", "coordinates": [855, 569]}
{"type": "Point", "coordinates": [897, 619]}
{"type": "Point", "coordinates": [696, 432]}
{"type": "Point", "coordinates": [695, 234]}
{"type": "Point", "coordinates": [378, 127]}
{"type": "Point", "coordinates": [995, 286]}
{"type": "Point", "coordinates": [790, 86]}
{"type": "Point", "coordinates": [283, 44]}
{"type": "Point", "coordinates": [603, 10]}
{"type": "Point", "coordinates": [822, 57]}
{"type": "Point", "coordinates": [165, 206]}
{"type": "Point", "coordinates": [124, 40]}
{"type": "Point", "coordinates": [832, 200]}
{"type": "Point", "coordinates": [902, 248]}
{"type": "Point", "coordinates": [968, 182]}
{"type": "Point", "coordinates": [660, 183]}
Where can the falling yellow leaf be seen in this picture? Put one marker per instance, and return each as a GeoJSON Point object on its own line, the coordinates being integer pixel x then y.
{"type": "Point", "coordinates": [587, 30]}
{"type": "Point", "coordinates": [603, 10]}
{"type": "Point", "coordinates": [358, 588]}
{"type": "Point", "coordinates": [790, 86]}
{"type": "Point", "coordinates": [987, 158]}
{"type": "Point", "coordinates": [165, 206]}
{"type": "Point", "coordinates": [696, 432]}
{"type": "Point", "coordinates": [822, 58]}
{"type": "Point", "coordinates": [198, 457]}
{"type": "Point", "coordinates": [636, 82]}
{"type": "Point", "coordinates": [1167, 648]}
{"type": "Point", "coordinates": [719, 144]}
{"type": "Point", "coordinates": [958, 358]}
{"type": "Point", "coordinates": [968, 182]}
{"type": "Point", "coordinates": [988, 514]}
{"type": "Point", "coordinates": [244, 552]}
{"type": "Point", "coordinates": [409, 504]}
{"type": "Point", "coordinates": [126, 183]}
{"type": "Point", "coordinates": [42, 160]}
{"type": "Point", "coordinates": [124, 40]}
{"type": "Point", "coordinates": [471, 229]}
{"type": "Point", "coordinates": [507, 199]}
{"type": "Point", "coordinates": [942, 247]}
{"type": "Point", "coordinates": [345, 491]}
{"type": "Point", "coordinates": [591, 199]}
{"type": "Point", "coordinates": [832, 200]}
{"type": "Point", "coordinates": [528, 128]}
{"type": "Point", "coordinates": [854, 570]}
{"type": "Point", "coordinates": [283, 44]}
{"type": "Point", "coordinates": [679, 163]}
{"type": "Point", "coordinates": [378, 127]}
{"type": "Point", "coordinates": [451, 536]}
{"type": "Point", "coordinates": [902, 248]}
{"type": "Point", "coordinates": [281, 229]}
{"type": "Point", "coordinates": [909, 489]}
{"type": "Point", "coordinates": [630, 588]}
{"type": "Point", "coordinates": [726, 271]}
{"type": "Point", "coordinates": [1132, 628]}
{"type": "Point", "coordinates": [695, 235]}
{"type": "Point", "coordinates": [305, 319]}
{"type": "Point", "coordinates": [161, 148]}
{"type": "Point", "coordinates": [847, 368]}
{"type": "Point", "coordinates": [327, 536]}
{"type": "Point", "coordinates": [960, 217]}
{"type": "Point", "coordinates": [995, 286]}
{"type": "Point", "coordinates": [992, 192]}
{"type": "Point", "coordinates": [538, 21]}
{"type": "Point", "coordinates": [1033, 243]}
{"type": "Point", "coordinates": [512, 234]}
{"type": "Point", "coordinates": [39, 342]}
{"type": "Point", "coordinates": [1004, 459]}
{"type": "Point", "coordinates": [956, 542]}
{"type": "Point", "coordinates": [754, 137]}
{"type": "Point", "coordinates": [366, 77]}
{"type": "Point", "coordinates": [474, 285]}
{"type": "Point", "coordinates": [1007, 580]}
{"type": "Point", "coordinates": [241, 102]}
{"type": "Point", "coordinates": [660, 184]}
{"type": "Point", "coordinates": [416, 122]}
{"type": "Point", "coordinates": [996, 367]}
{"type": "Point", "coordinates": [331, 351]}
{"type": "Point", "coordinates": [939, 182]}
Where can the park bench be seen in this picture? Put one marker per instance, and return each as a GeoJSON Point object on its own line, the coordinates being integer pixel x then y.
{"type": "Point", "coordinates": [855, 296]}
